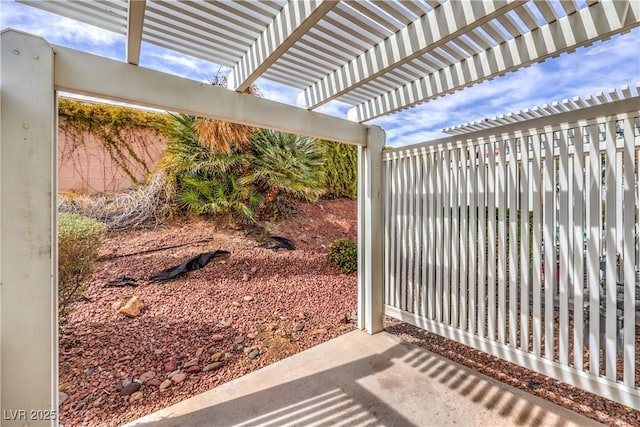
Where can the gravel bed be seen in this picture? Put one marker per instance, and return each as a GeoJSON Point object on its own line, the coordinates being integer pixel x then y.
{"type": "Point", "coordinates": [212, 325]}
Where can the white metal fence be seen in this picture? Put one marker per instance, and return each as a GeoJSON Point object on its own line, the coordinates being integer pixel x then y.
{"type": "Point", "coordinates": [522, 241]}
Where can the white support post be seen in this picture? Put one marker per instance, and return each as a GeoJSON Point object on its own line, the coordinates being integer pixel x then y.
{"type": "Point", "coordinates": [370, 232]}
{"type": "Point", "coordinates": [28, 282]}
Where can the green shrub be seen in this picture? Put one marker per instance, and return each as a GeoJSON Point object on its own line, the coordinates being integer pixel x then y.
{"type": "Point", "coordinates": [340, 169]}
{"type": "Point", "coordinates": [79, 238]}
{"type": "Point", "coordinates": [343, 254]}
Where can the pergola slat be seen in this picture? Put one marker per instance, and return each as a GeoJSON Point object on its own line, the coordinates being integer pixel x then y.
{"type": "Point", "coordinates": [434, 29]}
{"type": "Point", "coordinates": [596, 22]}
{"type": "Point", "coordinates": [135, 21]}
{"type": "Point", "coordinates": [293, 21]}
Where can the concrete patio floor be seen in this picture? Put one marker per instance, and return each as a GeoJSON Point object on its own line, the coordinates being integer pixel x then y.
{"type": "Point", "coordinates": [357, 380]}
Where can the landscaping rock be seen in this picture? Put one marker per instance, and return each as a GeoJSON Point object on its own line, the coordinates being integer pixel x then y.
{"type": "Point", "coordinates": [199, 351]}
{"type": "Point", "coordinates": [298, 327]}
{"type": "Point", "coordinates": [248, 298]}
{"type": "Point", "coordinates": [173, 373]}
{"type": "Point", "coordinates": [246, 277]}
{"type": "Point", "coordinates": [171, 365]}
{"type": "Point", "coordinates": [132, 308]}
{"type": "Point", "coordinates": [147, 376]}
{"type": "Point", "coordinates": [190, 363]}
{"type": "Point", "coordinates": [193, 369]}
{"type": "Point", "coordinates": [165, 385]}
{"type": "Point", "coordinates": [62, 397]}
{"type": "Point", "coordinates": [136, 396]}
{"type": "Point", "coordinates": [213, 366]}
{"type": "Point", "coordinates": [216, 356]}
{"type": "Point", "coordinates": [178, 378]}
{"type": "Point", "coordinates": [153, 383]}
{"type": "Point", "coordinates": [130, 389]}
{"type": "Point", "coordinates": [217, 337]}
{"type": "Point", "coordinates": [253, 354]}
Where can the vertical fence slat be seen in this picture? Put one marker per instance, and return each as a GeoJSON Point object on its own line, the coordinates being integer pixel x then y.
{"type": "Point", "coordinates": [578, 249]}
{"type": "Point", "coordinates": [441, 191]}
{"type": "Point", "coordinates": [492, 255]}
{"type": "Point", "coordinates": [404, 207]}
{"type": "Point", "coordinates": [433, 265]}
{"type": "Point", "coordinates": [417, 234]}
{"type": "Point", "coordinates": [525, 253]}
{"type": "Point", "coordinates": [549, 243]}
{"type": "Point", "coordinates": [446, 255]}
{"type": "Point", "coordinates": [482, 241]}
{"type": "Point", "coordinates": [473, 238]}
{"type": "Point", "coordinates": [464, 247]}
{"type": "Point", "coordinates": [628, 256]}
{"type": "Point", "coordinates": [512, 195]}
{"type": "Point", "coordinates": [536, 172]}
{"type": "Point", "coordinates": [424, 225]}
{"type": "Point", "coordinates": [387, 229]}
{"type": "Point", "coordinates": [610, 251]}
{"type": "Point", "coordinates": [410, 248]}
{"type": "Point", "coordinates": [563, 225]}
{"type": "Point", "coordinates": [455, 236]}
{"type": "Point", "coordinates": [593, 246]}
{"type": "Point", "coordinates": [502, 240]}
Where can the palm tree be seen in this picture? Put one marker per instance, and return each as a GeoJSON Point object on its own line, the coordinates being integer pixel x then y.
{"type": "Point", "coordinates": [283, 164]}
{"type": "Point", "coordinates": [225, 137]}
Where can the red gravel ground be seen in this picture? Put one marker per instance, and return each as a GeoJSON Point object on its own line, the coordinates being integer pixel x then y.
{"type": "Point", "coordinates": [277, 303]}
{"type": "Point", "coordinates": [257, 301]}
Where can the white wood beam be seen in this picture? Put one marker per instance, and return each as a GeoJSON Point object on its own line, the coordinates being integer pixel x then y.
{"type": "Point", "coordinates": [92, 75]}
{"type": "Point", "coordinates": [293, 22]}
{"type": "Point", "coordinates": [432, 30]}
{"type": "Point", "coordinates": [135, 21]}
{"type": "Point", "coordinates": [595, 22]}
{"type": "Point", "coordinates": [371, 232]}
{"type": "Point", "coordinates": [28, 260]}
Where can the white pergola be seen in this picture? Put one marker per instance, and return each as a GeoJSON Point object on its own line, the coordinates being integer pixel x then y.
{"type": "Point", "coordinates": [379, 57]}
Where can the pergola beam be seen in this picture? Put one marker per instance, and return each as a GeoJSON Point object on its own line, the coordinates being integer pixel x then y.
{"type": "Point", "coordinates": [432, 30]}
{"type": "Point", "coordinates": [293, 22]}
{"type": "Point", "coordinates": [135, 21]}
{"type": "Point", "coordinates": [595, 22]}
{"type": "Point", "coordinates": [93, 75]}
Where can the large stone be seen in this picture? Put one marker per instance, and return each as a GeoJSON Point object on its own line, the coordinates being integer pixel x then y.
{"type": "Point", "coordinates": [153, 383]}
{"type": "Point", "coordinates": [147, 376]}
{"type": "Point", "coordinates": [136, 396]}
{"type": "Point", "coordinates": [171, 365]}
{"type": "Point", "coordinates": [216, 356]}
{"type": "Point", "coordinates": [178, 378]}
{"type": "Point", "coordinates": [165, 385]}
{"type": "Point", "coordinates": [132, 308]}
{"type": "Point", "coordinates": [130, 389]}
{"type": "Point", "coordinates": [217, 337]}
{"type": "Point", "coordinates": [193, 369]}
{"type": "Point", "coordinates": [213, 366]}
{"type": "Point", "coordinates": [190, 363]}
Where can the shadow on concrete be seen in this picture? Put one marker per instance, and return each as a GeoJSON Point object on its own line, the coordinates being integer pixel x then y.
{"type": "Point", "coordinates": [403, 385]}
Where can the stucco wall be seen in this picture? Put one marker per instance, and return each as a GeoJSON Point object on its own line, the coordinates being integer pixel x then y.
{"type": "Point", "coordinates": [86, 167]}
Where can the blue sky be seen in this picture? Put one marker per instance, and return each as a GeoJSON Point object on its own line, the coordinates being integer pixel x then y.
{"type": "Point", "coordinates": [604, 65]}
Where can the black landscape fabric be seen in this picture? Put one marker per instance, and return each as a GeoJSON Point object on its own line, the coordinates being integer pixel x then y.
{"type": "Point", "coordinates": [195, 263]}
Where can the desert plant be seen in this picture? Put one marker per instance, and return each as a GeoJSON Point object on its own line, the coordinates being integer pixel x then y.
{"type": "Point", "coordinates": [79, 238]}
{"type": "Point", "coordinates": [285, 165]}
{"type": "Point", "coordinates": [343, 254]}
{"type": "Point", "coordinates": [341, 170]}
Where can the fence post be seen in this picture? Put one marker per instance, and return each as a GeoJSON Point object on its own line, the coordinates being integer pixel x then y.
{"type": "Point", "coordinates": [27, 232]}
{"type": "Point", "coordinates": [370, 232]}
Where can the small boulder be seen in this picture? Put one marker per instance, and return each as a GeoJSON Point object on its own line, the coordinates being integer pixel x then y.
{"type": "Point", "coordinates": [153, 383]}
{"type": "Point", "coordinates": [246, 277]}
{"type": "Point", "coordinates": [136, 396]}
{"type": "Point", "coordinates": [132, 308]}
{"type": "Point", "coordinates": [248, 298]}
{"type": "Point", "coordinates": [130, 389]}
{"type": "Point", "coordinates": [216, 356]}
{"type": "Point", "coordinates": [213, 366]}
{"type": "Point", "coordinates": [173, 373]}
{"type": "Point", "coordinates": [190, 363]}
{"type": "Point", "coordinates": [217, 337]}
{"type": "Point", "coordinates": [62, 397]}
{"type": "Point", "coordinates": [253, 354]}
{"type": "Point", "coordinates": [193, 369]}
{"type": "Point", "coordinates": [171, 365]}
{"type": "Point", "coordinates": [199, 351]}
{"type": "Point", "coordinates": [165, 385]}
{"type": "Point", "coordinates": [147, 376]}
{"type": "Point", "coordinates": [298, 327]}
{"type": "Point", "coordinates": [178, 378]}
